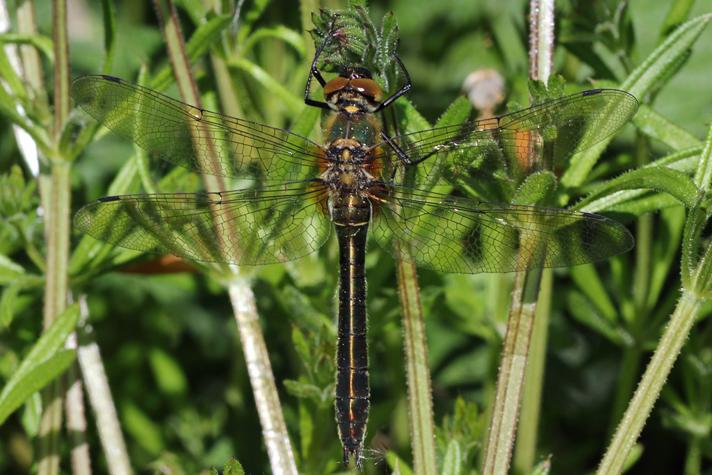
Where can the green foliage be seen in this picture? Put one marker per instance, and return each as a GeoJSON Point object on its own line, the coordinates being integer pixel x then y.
{"type": "Point", "coordinates": [172, 356]}
{"type": "Point", "coordinates": [44, 362]}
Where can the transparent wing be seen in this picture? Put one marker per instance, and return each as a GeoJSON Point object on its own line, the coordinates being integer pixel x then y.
{"type": "Point", "coordinates": [450, 234]}
{"type": "Point", "coordinates": [197, 139]}
{"type": "Point", "coordinates": [247, 227]}
{"type": "Point", "coordinates": [555, 130]}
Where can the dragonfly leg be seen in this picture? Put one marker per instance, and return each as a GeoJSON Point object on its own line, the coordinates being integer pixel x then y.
{"type": "Point", "coordinates": [404, 89]}
{"type": "Point", "coordinates": [315, 73]}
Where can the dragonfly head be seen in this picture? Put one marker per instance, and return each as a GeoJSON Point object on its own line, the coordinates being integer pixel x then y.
{"type": "Point", "coordinates": [354, 91]}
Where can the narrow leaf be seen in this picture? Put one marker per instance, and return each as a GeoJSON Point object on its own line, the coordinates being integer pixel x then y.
{"type": "Point", "coordinates": [452, 463]}
{"type": "Point", "coordinates": [9, 270]}
{"type": "Point", "coordinates": [658, 127]}
{"type": "Point", "coordinates": [109, 18]}
{"type": "Point", "coordinates": [22, 386]}
{"type": "Point", "coordinates": [661, 179]}
{"type": "Point", "coordinates": [645, 76]}
{"type": "Point", "coordinates": [51, 340]}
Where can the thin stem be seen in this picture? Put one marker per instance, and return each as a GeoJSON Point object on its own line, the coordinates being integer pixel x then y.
{"type": "Point", "coordinates": [76, 418]}
{"type": "Point", "coordinates": [57, 227]}
{"type": "Point", "coordinates": [693, 460]}
{"type": "Point", "coordinates": [515, 353]}
{"type": "Point", "coordinates": [418, 372]}
{"type": "Point", "coordinates": [510, 379]}
{"type": "Point", "coordinates": [269, 409]}
{"type": "Point", "coordinates": [274, 429]}
{"type": "Point", "coordinates": [674, 336]}
{"type": "Point", "coordinates": [101, 401]}
{"type": "Point", "coordinates": [541, 39]}
{"type": "Point", "coordinates": [525, 454]}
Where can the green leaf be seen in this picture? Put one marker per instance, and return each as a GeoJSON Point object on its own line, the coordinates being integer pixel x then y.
{"type": "Point", "coordinates": [194, 9]}
{"type": "Point", "coordinates": [233, 467]}
{"type": "Point", "coordinates": [452, 463]}
{"type": "Point", "coordinates": [168, 374]}
{"type": "Point", "coordinates": [536, 189]}
{"type": "Point", "coordinates": [397, 464]}
{"type": "Point", "coordinates": [7, 304]}
{"type": "Point", "coordinates": [589, 283]}
{"type": "Point", "coordinates": [641, 81]}
{"type": "Point", "coordinates": [542, 468]}
{"type": "Point", "coordinates": [279, 32]}
{"type": "Point", "coordinates": [274, 87]}
{"type": "Point", "coordinates": [23, 385]}
{"type": "Point", "coordinates": [703, 174]}
{"type": "Point", "coordinates": [633, 457]}
{"type": "Point", "coordinates": [661, 179]}
{"type": "Point", "coordinates": [109, 19]}
{"type": "Point", "coordinates": [678, 13]}
{"type": "Point", "coordinates": [9, 270]}
{"type": "Point", "coordinates": [665, 245]}
{"type": "Point", "coordinates": [51, 340]}
{"type": "Point", "coordinates": [582, 311]}
{"type": "Point", "coordinates": [646, 76]}
{"type": "Point", "coordinates": [658, 127]}
{"type": "Point", "coordinates": [456, 113]}
{"type": "Point", "coordinates": [147, 433]}
{"type": "Point", "coordinates": [43, 43]}
{"type": "Point", "coordinates": [303, 390]}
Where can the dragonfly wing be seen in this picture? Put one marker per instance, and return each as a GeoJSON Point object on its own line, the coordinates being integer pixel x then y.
{"type": "Point", "coordinates": [450, 234]}
{"type": "Point", "coordinates": [194, 138]}
{"type": "Point", "coordinates": [557, 129]}
{"type": "Point", "coordinates": [247, 227]}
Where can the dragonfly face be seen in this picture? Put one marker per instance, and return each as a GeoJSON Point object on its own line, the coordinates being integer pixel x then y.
{"type": "Point", "coordinates": [361, 181]}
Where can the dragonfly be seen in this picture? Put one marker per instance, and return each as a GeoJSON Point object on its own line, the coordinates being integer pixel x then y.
{"type": "Point", "coordinates": [292, 192]}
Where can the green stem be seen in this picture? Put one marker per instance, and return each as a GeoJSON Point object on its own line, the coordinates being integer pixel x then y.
{"type": "Point", "coordinates": [525, 454]}
{"type": "Point", "coordinates": [510, 379]}
{"type": "Point", "coordinates": [57, 237]}
{"type": "Point", "coordinates": [674, 336]}
{"type": "Point", "coordinates": [520, 322]}
{"type": "Point", "coordinates": [417, 369]}
{"type": "Point", "coordinates": [269, 409]}
{"type": "Point", "coordinates": [693, 460]}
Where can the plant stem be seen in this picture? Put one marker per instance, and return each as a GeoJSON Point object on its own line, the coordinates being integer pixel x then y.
{"type": "Point", "coordinates": [57, 227]}
{"type": "Point", "coordinates": [515, 353]}
{"type": "Point", "coordinates": [269, 409]}
{"type": "Point", "coordinates": [674, 336]}
{"type": "Point", "coordinates": [693, 460]}
{"type": "Point", "coordinates": [641, 289]}
{"type": "Point", "coordinates": [99, 393]}
{"type": "Point", "coordinates": [76, 417]}
{"type": "Point", "coordinates": [510, 379]}
{"type": "Point", "coordinates": [525, 454]}
{"type": "Point", "coordinates": [418, 372]}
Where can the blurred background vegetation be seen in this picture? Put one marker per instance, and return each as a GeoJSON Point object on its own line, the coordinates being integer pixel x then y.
{"type": "Point", "coordinates": [169, 343]}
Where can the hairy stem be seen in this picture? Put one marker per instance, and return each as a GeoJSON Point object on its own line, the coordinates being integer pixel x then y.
{"type": "Point", "coordinates": [510, 380]}
{"type": "Point", "coordinates": [674, 336]}
{"type": "Point", "coordinates": [269, 409]}
{"type": "Point", "coordinates": [57, 226]}
{"type": "Point", "coordinates": [418, 372]}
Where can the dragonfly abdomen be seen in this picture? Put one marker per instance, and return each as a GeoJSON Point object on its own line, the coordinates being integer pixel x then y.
{"type": "Point", "coordinates": [352, 392]}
